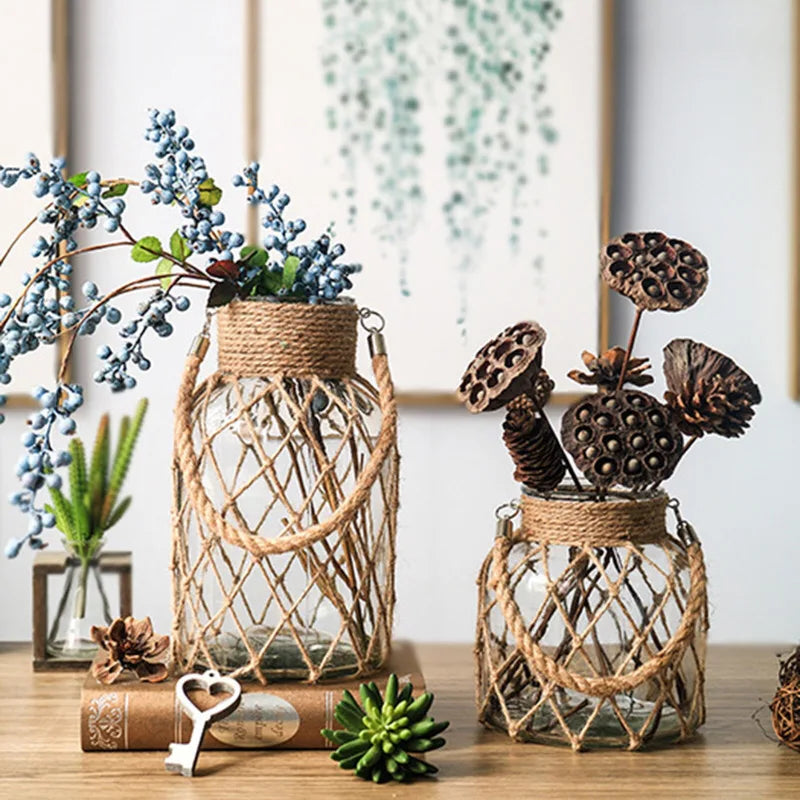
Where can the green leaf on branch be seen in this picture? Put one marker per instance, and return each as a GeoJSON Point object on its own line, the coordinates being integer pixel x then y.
{"type": "Point", "coordinates": [221, 293]}
{"type": "Point", "coordinates": [164, 268]}
{"type": "Point", "coordinates": [179, 247]}
{"type": "Point", "coordinates": [268, 282]}
{"type": "Point", "coordinates": [79, 179]}
{"type": "Point", "coordinates": [289, 271]}
{"type": "Point", "coordinates": [254, 256]}
{"type": "Point", "coordinates": [146, 249]}
{"type": "Point", "coordinates": [210, 193]}
{"type": "Point", "coordinates": [117, 190]}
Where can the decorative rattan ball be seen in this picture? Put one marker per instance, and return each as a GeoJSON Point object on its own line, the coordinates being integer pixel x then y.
{"type": "Point", "coordinates": [785, 706]}
{"type": "Point", "coordinates": [624, 437]}
{"type": "Point", "coordinates": [656, 272]}
{"type": "Point", "coordinates": [503, 368]}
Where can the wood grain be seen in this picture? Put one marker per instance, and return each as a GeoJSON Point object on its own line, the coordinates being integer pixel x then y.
{"type": "Point", "coordinates": [40, 754]}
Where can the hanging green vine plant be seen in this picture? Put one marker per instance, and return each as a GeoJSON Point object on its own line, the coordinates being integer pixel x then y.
{"type": "Point", "coordinates": [497, 121]}
{"type": "Point", "coordinates": [371, 62]}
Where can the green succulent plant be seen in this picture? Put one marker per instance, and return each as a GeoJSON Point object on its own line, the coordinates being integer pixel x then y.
{"type": "Point", "coordinates": [94, 504]}
{"type": "Point", "coordinates": [379, 738]}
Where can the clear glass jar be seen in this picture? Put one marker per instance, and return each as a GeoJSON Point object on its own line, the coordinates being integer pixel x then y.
{"type": "Point", "coordinates": [81, 604]}
{"type": "Point", "coordinates": [589, 644]}
{"type": "Point", "coordinates": [277, 457]}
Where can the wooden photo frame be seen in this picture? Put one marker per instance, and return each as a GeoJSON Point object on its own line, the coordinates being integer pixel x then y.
{"type": "Point", "coordinates": [794, 290]}
{"type": "Point", "coordinates": [429, 338]}
{"type": "Point", "coordinates": [46, 70]}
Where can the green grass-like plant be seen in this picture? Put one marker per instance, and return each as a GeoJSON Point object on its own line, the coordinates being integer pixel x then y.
{"type": "Point", "coordinates": [94, 505]}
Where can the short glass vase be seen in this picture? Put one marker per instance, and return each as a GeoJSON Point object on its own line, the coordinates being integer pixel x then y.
{"type": "Point", "coordinates": [82, 603]}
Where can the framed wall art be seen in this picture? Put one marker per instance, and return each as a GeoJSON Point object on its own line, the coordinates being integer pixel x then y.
{"type": "Point", "coordinates": [794, 292]}
{"type": "Point", "coordinates": [463, 149]}
{"type": "Point", "coordinates": [38, 110]}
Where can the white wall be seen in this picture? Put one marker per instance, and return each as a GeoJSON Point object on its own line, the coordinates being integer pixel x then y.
{"type": "Point", "coordinates": [703, 151]}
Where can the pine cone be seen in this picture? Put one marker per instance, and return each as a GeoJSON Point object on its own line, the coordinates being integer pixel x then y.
{"type": "Point", "coordinates": [654, 271]}
{"type": "Point", "coordinates": [130, 644]}
{"type": "Point", "coordinates": [543, 388]}
{"type": "Point", "coordinates": [604, 370]}
{"type": "Point", "coordinates": [707, 391]}
{"type": "Point", "coordinates": [503, 368]}
{"type": "Point", "coordinates": [533, 447]}
{"type": "Point", "coordinates": [624, 437]}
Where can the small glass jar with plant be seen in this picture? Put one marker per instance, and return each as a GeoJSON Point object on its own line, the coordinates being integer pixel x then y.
{"type": "Point", "coordinates": [592, 618]}
{"type": "Point", "coordinates": [91, 506]}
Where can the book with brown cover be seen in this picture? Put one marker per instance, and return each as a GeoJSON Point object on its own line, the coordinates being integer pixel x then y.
{"type": "Point", "coordinates": [131, 715]}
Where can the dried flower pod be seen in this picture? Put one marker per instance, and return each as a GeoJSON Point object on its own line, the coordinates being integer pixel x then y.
{"type": "Point", "coordinates": [533, 446]}
{"type": "Point", "coordinates": [504, 368]}
{"type": "Point", "coordinates": [785, 706]}
{"type": "Point", "coordinates": [130, 644]}
{"type": "Point", "coordinates": [624, 437]}
{"type": "Point", "coordinates": [604, 371]}
{"type": "Point", "coordinates": [656, 272]}
{"type": "Point", "coordinates": [707, 391]}
{"type": "Point", "coordinates": [543, 388]}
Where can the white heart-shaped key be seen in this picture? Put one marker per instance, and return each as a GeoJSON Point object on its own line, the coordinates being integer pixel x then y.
{"type": "Point", "coordinates": [213, 683]}
{"type": "Point", "coordinates": [182, 758]}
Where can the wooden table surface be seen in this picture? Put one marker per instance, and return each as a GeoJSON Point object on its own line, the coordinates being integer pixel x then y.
{"type": "Point", "coordinates": [40, 756]}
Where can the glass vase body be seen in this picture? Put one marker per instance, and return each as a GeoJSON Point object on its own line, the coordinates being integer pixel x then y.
{"type": "Point", "coordinates": [283, 547]}
{"type": "Point", "coordinates": [592, 625]}
{"type": "Point", "coordinates": [82, 603]}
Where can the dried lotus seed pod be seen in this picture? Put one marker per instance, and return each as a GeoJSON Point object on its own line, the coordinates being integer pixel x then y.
{"type": "Point", "coordinates": [503, 368]}
{"type": "Point", "coordinates": [624, 437]}
{"type": "Point", "coordinates": [654, 271]}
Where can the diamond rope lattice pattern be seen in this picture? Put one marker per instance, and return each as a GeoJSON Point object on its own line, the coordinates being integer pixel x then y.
{"type": "Point", "coordinates": [277, 456]}
{"type": "Point", "coordinates": [598, 612]}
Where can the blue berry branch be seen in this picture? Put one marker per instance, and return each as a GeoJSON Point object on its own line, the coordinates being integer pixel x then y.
{"type": "Point", "coordinates": [43, 311]}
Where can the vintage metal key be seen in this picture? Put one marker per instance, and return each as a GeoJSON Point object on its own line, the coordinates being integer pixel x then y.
{"type": "Point", "coordinates": [182, 758]}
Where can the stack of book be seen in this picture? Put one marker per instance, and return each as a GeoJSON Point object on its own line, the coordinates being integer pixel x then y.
{"type": "Point", "coordinates": [131, 715]}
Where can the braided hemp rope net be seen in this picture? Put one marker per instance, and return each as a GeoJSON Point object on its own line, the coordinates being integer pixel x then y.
{"type": "Point", "coordinates": [285, 504]}
{"type": "Point", "coordinates": [592, 638]}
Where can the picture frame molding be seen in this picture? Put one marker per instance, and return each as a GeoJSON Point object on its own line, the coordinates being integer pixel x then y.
{"type": "Point", "coordinates": [252, 131]}
{"type": "Point", "coordinates": [60, 80]}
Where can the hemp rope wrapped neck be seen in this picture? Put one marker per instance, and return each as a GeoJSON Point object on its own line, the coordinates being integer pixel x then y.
{"type": "Point", "coordinates": [258, 338]}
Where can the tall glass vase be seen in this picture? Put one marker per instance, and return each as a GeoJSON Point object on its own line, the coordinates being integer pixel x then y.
{"type": "Point", "coordinates": [285, 499]}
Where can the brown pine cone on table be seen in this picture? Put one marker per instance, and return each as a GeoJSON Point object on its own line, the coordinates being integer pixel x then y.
{"type": "Point", "coordinates": [533, 446]}
{"type": "Point", "coordinates": [707, 391]}
{"type": "Point", "coordinates": [130, 644]}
